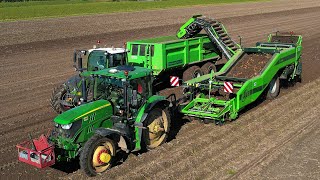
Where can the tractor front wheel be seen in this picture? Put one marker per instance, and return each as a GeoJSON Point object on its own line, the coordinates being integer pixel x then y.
{"type": "Point", "coordinates": [97, 155]}
{"type": "Point", "coordinates": [59, 94]}
{"type": "Point", "coordinates": [158, 126]}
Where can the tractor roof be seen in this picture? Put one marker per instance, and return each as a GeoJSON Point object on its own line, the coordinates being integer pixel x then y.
{"type": "Point", "coordinates": [134, 72]}
{"type": "Point", "coordinates": [109, 50]}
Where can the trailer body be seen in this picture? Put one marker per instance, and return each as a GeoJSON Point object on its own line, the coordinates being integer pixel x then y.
{"type": "Point", "coordinates": [163, 54]}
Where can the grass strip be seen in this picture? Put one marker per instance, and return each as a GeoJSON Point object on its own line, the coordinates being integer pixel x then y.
{"type": "Point", "coordinates": [61, 8]}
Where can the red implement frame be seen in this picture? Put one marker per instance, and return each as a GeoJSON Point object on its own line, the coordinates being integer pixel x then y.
{"type": "Point", "coordinates": [37, 152]}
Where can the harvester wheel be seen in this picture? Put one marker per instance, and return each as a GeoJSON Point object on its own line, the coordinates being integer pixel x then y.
{"type": "Point", "coordinates": [58, 94]}
{"type": "Point", "coordinates": [298, 78]}
{"type": "Point", "coordinates": [273, 88]}
{"type": "Point", "coordinates": [158, 125]}
{"type": "Point", "coordinates": [97, 155]}
{"type": "Point", "coordinates": [208, 67]}
{"type": "Point", "coordinates": [192, 72]}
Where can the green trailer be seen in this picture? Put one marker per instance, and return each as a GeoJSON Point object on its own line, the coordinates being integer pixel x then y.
{"type": "Point", "coordinates": [171, 55]}
{"type": "Point", "coordinates": [251, 73]}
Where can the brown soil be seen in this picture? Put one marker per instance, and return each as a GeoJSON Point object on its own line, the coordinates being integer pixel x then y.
{"type": "Point", "coordinates": [36, 56]}
{"type": "Point", "coordinates": [249, 65]}
{"type": "Point", "coordinates": [285, 39]}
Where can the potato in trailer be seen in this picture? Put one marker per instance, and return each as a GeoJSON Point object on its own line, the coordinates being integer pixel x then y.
{"type": "Point", "coordinates": [252, 73]}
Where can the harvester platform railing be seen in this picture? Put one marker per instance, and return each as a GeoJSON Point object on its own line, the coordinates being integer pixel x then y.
{"type": "Point", "coordinates": [215, 30]}
{"type": "Point", "coordinates": [208, 108]}
{"type": "Point", "coordinates": [276, 45]}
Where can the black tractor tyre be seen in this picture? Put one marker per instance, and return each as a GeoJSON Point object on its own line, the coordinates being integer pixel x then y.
{"type": "Point", "coordinates": [88, 151]}
{"type": "Point", "coordinates": [273, 88]}
{"type": "Point", "coordinates": [153, 118]}
{"type": "Point", "coordinates": [56, 96]}
{"type": "Point", "coordinates": [298, 78]}
{"type": "Point", "coordinates": [191, 72]}
{"type": "Point", "coordinates": [208, 67]}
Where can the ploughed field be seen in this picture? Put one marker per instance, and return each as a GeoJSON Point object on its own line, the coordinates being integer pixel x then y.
{"type": "Point", "coordinates": [36, 56]}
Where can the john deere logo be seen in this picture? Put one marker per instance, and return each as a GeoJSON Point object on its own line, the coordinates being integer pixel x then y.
{"type": "Point", "coordinates": [85, 118]}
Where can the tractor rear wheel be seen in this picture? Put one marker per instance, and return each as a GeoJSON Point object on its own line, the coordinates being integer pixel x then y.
{"type": "Point", "coordinates": [273, 88]}
{"type": "Point", "coordinates": [208, 67]}
{"type": "Point", "coordinates": [59, 94]}
{"type": "Point", "coordinates": [158, 126]}
{"type": "Point", "coordinates": [192, 72]}
{"type": "Point", "coordinates": [97, 155]}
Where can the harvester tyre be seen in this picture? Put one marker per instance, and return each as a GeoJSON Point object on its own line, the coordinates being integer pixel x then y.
{"type": "Point", "coordinates": [92, 153]}
{"type": "Point", "coordinates": [157, 129]}
{"type": "Point", "coordinates": [57, 95]}
{"type": "Point", "coordinates": [273, 88]}
{"type": "Point", "coordinates": [192, 72]}
{"type": "Point", "coordinates": [208, 67]}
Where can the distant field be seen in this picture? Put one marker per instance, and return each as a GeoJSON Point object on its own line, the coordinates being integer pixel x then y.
{"type": "Point", "coordinates": [10, 11]}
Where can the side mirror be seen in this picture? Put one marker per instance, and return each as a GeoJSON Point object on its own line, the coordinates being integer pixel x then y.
{"type": "Point", "coordinates": [134, 102]}
{"type": "Point", "coordinates": [240, 38]}
{"type": "Point", "coordinates": [84, 52]}
{"type": "Point", "coordinates": [75, 56]}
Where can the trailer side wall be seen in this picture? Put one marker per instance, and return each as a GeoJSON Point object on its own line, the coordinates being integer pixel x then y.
{"type": "Point", "coordinates": [165, 53]}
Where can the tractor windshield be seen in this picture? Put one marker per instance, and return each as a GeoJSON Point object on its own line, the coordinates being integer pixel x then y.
{"type": "Point", "coordinates": [99, 59]}
{"type": "Point", "coordinates": [111, 89]}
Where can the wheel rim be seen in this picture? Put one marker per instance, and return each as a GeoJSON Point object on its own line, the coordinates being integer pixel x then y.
{"type": "Point", "coordinates": [211, 70]}
{"type": "Point", "coordinates": [158, 129]}
{"type": "Point", "coordinates": [66, 98]}
{"type": "Point", "coordinates": [102, 156]}
{"type": "Point", "coordinates": [273, 87]}
{"type": "Point", "coordinates": [197, 74]}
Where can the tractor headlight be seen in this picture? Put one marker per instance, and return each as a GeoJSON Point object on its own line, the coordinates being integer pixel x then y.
{"type": "Point", "coordinates": [56, 125]}
{"type": "Point", "coordinates": [66, 126]}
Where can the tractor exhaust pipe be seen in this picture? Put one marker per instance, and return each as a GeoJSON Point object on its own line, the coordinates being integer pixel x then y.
{"type": "Point", "coordinates": [80, 63]}
{"type": "Point", "coordinates": [84, 89]}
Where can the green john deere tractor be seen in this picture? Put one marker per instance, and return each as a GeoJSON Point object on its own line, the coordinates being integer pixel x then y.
{"type": "Point", "coordinates": [119, 113]}
{"type": "Point", "coordinates": [68, 94]}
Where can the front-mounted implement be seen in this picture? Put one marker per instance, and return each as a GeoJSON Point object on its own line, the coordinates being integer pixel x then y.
{"type": "Point", "coordinates": [37, 152]}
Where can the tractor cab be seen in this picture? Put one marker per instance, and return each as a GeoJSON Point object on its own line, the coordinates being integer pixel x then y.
{"type": "Point", "coordinates": [102, 58]}
{"type": "Point", "coordinates": [125, 87]}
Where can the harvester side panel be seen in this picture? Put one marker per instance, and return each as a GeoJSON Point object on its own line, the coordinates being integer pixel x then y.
{"type": "Point", "coordinates": [280, 56]}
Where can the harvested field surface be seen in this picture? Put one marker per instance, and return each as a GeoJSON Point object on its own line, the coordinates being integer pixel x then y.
{"type": "Point", "coordinates": [249, 65]}
{"type": "Point", "coordinates": [285, 39]}
{"type": "Point", "coordinates": [278, 139]}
